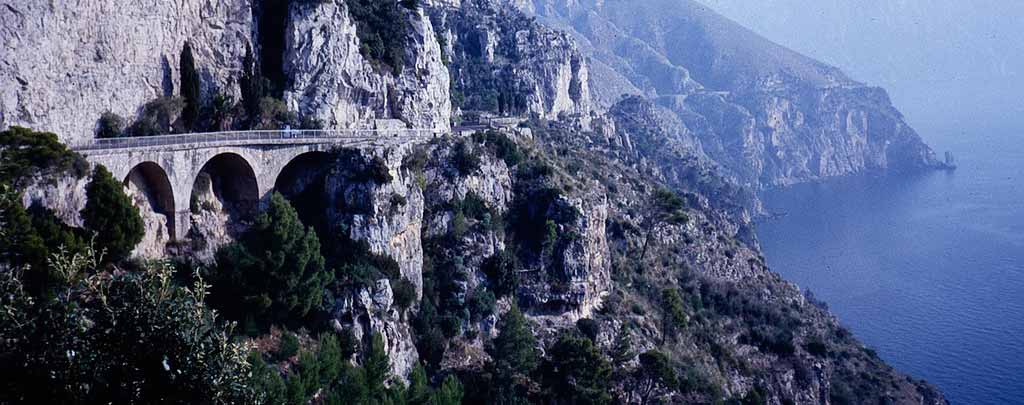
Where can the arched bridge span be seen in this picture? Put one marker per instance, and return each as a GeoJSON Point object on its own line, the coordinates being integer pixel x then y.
{"type": "Point", "coordinates": [242, 167]}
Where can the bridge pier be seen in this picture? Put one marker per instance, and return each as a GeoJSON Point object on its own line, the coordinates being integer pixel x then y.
{"type": "Point", "coordinates": [182, 224]}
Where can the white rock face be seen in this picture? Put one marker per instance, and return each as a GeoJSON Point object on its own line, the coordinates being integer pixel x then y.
{"type": "Point", "coordinates": [66, 197]}
{"type": "Point", "coordinates": [543, 65]}
{"type": "Point", "coordinates": [369, 311]}
{"type": "Point", "coordinates": [157, 233]}
{"type": "Point", "coordinates": [334, 83]}
{"type": "Point", "coordinates": [391, 217]}
{"type": "Point", "coordinates": [66, 62]}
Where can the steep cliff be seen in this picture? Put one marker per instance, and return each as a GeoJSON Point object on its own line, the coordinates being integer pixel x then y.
{"type": "Point", "coordinates": [332, 81]}
{"type": "Point", "coordinates": [505, 63]}
{"type": "Point", "coordinates": [768, 115]}
{"type": "Point", "coordinates": [66, 63]}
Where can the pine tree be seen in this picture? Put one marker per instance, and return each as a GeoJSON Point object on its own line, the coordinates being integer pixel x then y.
{"type": "Point", "coordinates": [576, 371]}
{"type": "Point", "coordinates": [418, 392]}
{"type": "Point", "coordinates": [663, 208]}
{"type": "Point", "coordinates": [377, 367]}
{"type": "Point", "coordinates": [190, 87]}
{"type": "Point", "coordinates": [277, 267]}
{"type": "Point", "coordinates": [654, 374]}
{"type": "Point", "coordinates": [515, 357]}
{"type": "Point", "coordinates": [110, 215]}
{"type": "Point", "coordinates": [332, 360]}
{"type": "Point", "coordinates": [21, 246]}
{"type": "Point", "coordinates": [450, 392]}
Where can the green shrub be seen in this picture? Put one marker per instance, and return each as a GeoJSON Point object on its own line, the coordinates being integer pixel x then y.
{"type": "Point", "coordinates": [355, 264]}
{"type": "Point", "coordinates": [222, 112]}
{"type": "Point", "coordinates": [110, 125]}
{"type": "Point", "coordinates": [481, 303]}
{"type": "Point", "coordinates": [770, 339]}
{"type": "Point", "coordinates": [817, 348]}
{"type": "Point", "coordinates": [404, 293]}
{"type": "Point", "coordinates": [382, 29]}
{"type": "Point", "coordinates": [465, 159]}
{"type": "Point", "coordinates": [108, 331]}
{"type": "Point", "coordinates": [111, 216]}
{"type": "Point", "coordinates": [674, 310]}
{"type": "Point", "coordinates": [288, 347]}
{"type": "Point", "coordinates": [589, 328]}
{"type": "Point", "coordinates": [502, 272]}
{"type": "Point", "coordinates": [500, 146]}
{"type": "Point", "coordinates": [273, 113]}
{"type": "Point", "coordinates": [375, 170]}
{"type": "Point", "coordinates": [473, 206]}
{"type": "Point", "coordinates": [161, 116]}
{"type": "Point", "coordinates": [459, 226]}
{"type": "Point", "coordinates": [25, 154]}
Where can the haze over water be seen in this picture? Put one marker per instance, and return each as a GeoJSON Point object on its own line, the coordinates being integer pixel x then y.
{"type": "Point", "coordinates": [928, 270]}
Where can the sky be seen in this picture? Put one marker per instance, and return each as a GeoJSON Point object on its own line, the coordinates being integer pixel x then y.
{"type": "Point", "coordinates": [946, 63]}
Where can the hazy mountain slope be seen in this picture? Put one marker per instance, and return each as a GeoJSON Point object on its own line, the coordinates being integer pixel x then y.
{"type": "Point", "coordinates": [790, 118]}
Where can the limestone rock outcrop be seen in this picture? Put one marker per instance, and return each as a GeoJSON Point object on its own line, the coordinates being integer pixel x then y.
{"type": "Point", "coordinates": [65, 63]}
{"type": "Point", "coordinates": [370, 311]}
{"type": "Point", "coordinates": [331, 81]}
{"type": "Point", "coordinates": [512, 64]}
{"type": "Point", "coordinates": [388, 215]}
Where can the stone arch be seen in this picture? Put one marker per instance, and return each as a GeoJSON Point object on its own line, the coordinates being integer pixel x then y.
{"type": "Point", "coordinates": [229, 180]}
{"type": "Point", "coordinates": [150, 180]}
{"type": "Point", "coordinates": [302, 182]}
{"type": "Point", "coordinates": [301, 171]}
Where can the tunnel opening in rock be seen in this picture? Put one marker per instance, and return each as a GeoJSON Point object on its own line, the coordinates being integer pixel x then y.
{"type": "Point", "coordinates": [152, 188]}
{"type": "Point", "coordinates": [226, 184]}
{"type": "Point", "coordinates": [303, 183]}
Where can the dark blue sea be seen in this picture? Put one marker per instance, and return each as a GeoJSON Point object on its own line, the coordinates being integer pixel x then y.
{"type": "Point", "coordinates": [926, 269]}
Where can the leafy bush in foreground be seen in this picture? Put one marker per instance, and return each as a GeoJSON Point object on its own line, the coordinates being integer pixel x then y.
{"type": "Point", "coordinates": [115, 338]}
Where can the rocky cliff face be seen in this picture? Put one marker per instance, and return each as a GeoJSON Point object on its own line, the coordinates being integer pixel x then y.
{"type": "Point", "coordinates": [331, 80]}
{"type": "Point", "coordinates": [767, 115]}
{"type": "Point", "coordinates": [388, 215]}
{"type": "Point", "coordinates": [65, 63]}
{"type": "Point", "coordinates": [503, 62]}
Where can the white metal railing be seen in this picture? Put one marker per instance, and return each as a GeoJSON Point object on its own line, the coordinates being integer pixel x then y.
{"type": "Point", "coordinates": [255, 136]}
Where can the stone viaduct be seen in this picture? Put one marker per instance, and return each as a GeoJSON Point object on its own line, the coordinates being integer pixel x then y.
{"type": "Point", "coordinates": [246, 165]}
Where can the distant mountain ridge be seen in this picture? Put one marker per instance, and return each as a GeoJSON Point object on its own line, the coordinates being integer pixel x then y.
{"type": "Point", "coordinates": [769, 115]}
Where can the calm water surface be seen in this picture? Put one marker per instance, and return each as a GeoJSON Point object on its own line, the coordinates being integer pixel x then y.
{"type": "Point", "coordinates": [928, 270]}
